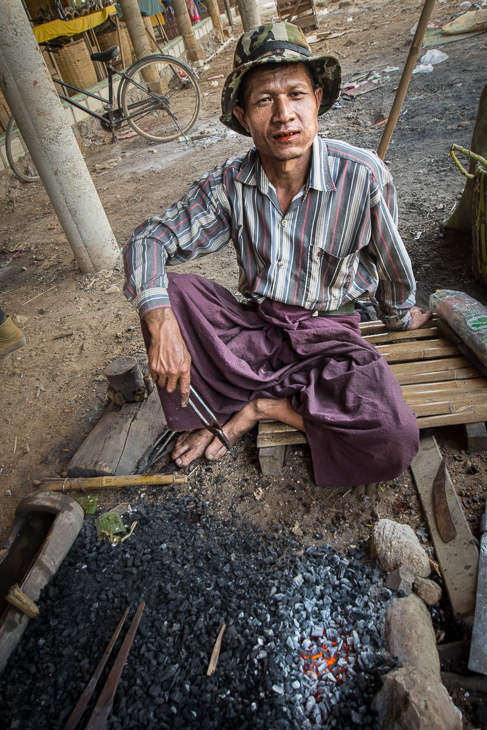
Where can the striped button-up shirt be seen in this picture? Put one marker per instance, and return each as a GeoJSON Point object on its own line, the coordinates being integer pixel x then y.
{"type": "Point", "coordinates": [337, 241]}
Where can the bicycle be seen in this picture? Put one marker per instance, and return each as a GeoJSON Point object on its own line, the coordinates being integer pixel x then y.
{"type": "Point", "coordinates": [158, 96]}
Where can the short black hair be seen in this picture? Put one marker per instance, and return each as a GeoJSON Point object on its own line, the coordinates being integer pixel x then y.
{"type": "Point", "coordinates": [246, 79]}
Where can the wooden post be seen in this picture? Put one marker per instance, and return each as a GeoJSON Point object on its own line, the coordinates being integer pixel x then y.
{"type": "Point", "coordinates": [18, 599]}
{"type": "Point", "coordinates": [228, 12]}
{"type": "Point", "coordinates": [214, 13]}
{"type": "Point", "coordinates": [125, 377]}
{"type": "Point", "coordinates": [249, 14]}
{"type": "Point", "coordinates": [193, 48]}
{"type": "Point", "coordinates": [406, 77]}
{"type": "Point", "coordinates": [119, 35]}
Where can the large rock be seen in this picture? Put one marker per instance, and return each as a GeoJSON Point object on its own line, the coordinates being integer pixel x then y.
{"type": "Point", "coordinates": [410, 635]}
{"type": "Point", "coordinates": [395, 545]}
{"type": "Point", "coordinates": [412, 700]}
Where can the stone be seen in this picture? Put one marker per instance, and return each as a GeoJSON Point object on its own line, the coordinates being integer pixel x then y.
{"type": "Point", "coordinates": [114, 289]}
{"type": "Point", "coordinates": [401, 580]}
{"type": "Point", "coordinates": [395, 545]}
{"type": "Point", "coordinates": [428, 590]}
{"type": "Point", "coordinates": [411, 700]}
{"type": "Point", "coordinates": [410, 635]}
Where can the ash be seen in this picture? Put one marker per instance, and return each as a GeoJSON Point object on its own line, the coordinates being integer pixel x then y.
{"type": "Point", "coordinates": [303, 647]}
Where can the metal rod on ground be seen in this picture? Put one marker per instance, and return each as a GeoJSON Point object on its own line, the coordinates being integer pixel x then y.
{"type": "Point", "coordinates": [194, 50]}
{"type": "Point", "coordinates": [83, 483]}
{"type": "Point", "coordinates": [406, 77]}
{"type": "Point", "coordinates": [105, 701]}
{"type": "Point", "coordinates": [249, 14]}
{"type": "Point", "coordinates": [32, 97]}
{"type": "Point", "coordinates": [81, 704]}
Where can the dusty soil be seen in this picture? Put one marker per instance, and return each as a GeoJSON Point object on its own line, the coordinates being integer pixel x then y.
{"type": "Point", "coordinates": [53, 389]}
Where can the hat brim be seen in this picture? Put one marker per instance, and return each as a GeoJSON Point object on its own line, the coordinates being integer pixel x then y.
{"type": "Point", "coordinates": [326, 68]}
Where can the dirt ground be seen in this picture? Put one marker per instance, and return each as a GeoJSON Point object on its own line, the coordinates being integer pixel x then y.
{"type": "Point", "coordinates": [53, 389]}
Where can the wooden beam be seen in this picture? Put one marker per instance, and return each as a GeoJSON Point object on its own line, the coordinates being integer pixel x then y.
{"type": "Point", "coordinates": [271, 460]}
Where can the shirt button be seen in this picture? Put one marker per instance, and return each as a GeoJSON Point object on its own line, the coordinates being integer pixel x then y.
{"type": "Point", "coordinates": [284, 223]}
{"type": "Point", "coordinates": [280, 263]}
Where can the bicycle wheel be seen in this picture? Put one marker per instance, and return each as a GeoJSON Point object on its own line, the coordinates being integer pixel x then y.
{"type": "Point", "coordinates": [18, 155]}
{"type": "Point", "coordinates": [160, 98]}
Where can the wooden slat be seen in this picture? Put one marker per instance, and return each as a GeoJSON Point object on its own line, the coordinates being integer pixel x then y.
{"type": "Point", "coordinates": [406, 351]}
{"type": "Point", "coordinates": [451, 419]}
{"type": "Point", "coordinates": [426, 391]}
{"type": "Point", "coordinates": [432, 371]}
{"type": "Point", "coordinates": [453, 407]}
{"type": "Point", "coordinates": [380, 338]}
{"type": "Point", "coordinates": [281, 439]}
{"type": "Point", "coordinates": [376, 327]}
{"type": "Point", "coordinates": [274, 427]}
{"type": "Point", "coordinates": [458, 559]}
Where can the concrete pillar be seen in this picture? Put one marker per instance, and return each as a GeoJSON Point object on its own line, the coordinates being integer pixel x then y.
{"type": "Point", "coordinates": [26, 82]}
{"type": "Point", "coordinates": [193, 48]}
{"type": "Point", "coordinates": [214, 13]}
{"type": "Point", "coordinates": [136, 28]}
{"type": "Point", "coordinates": [249, 14]}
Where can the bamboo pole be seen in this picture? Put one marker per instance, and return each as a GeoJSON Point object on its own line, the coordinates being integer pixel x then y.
{"type": "Point", "coordinates": [406, 77]}
{"type": "Point", "coordinates": [81, 484]}
{"type": "Point", "coordinates": [18, 599]}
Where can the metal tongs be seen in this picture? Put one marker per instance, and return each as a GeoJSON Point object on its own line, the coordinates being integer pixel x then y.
{"type": "Point", "coordinates": [156, 451]}
{"type": "Point", "coordinates": [207, 417]}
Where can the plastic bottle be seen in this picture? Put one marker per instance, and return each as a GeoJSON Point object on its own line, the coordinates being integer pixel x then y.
{"type": "Point", "coordinates": [466, 316]}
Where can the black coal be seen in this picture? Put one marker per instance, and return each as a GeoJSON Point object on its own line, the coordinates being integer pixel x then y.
{"type": "Point", "coordinates": [303, 646]}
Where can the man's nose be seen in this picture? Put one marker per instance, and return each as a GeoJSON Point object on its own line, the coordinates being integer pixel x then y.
{"type": "Point", "coordinates": [283, 109]}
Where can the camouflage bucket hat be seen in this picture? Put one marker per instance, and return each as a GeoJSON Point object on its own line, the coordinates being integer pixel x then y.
{"type": "Point", "coordinates": [277, 43]}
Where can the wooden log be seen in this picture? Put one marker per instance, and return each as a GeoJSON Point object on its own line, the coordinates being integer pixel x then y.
{"type": "Point", "coordinates": [125, 377]}
{"type": "Point", "coordinates": [18, 599]}
{"type": "Point", "coordinates": [271, 460]}
{"type": "Point", "coordinates": [476, 435]}
{"type": "Point", "coordinates": [120, 438]}
{"type": "Point", "coordinates": [472, 682]}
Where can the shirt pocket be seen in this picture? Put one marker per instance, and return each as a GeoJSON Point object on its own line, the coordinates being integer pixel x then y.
{"type": "Point", "coordinates": [330, 277]}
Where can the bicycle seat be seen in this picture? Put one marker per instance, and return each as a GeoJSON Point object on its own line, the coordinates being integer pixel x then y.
{"type": "Point", "coordinates": [107, 55]}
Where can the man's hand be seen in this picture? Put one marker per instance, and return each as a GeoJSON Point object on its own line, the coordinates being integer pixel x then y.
{"type": "Point", "coordinates": [169, 359]}
{"type": "Point", "coordinates": [418, 318]}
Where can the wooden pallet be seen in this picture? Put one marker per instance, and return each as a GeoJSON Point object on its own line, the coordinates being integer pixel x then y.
{"type": "Point", "coordinates": [303, 13]}
{"type": "Point", "coordinates": [439, 384]}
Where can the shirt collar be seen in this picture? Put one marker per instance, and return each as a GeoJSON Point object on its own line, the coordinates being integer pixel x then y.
{"type": "Point", "coordinates": [252, 171]}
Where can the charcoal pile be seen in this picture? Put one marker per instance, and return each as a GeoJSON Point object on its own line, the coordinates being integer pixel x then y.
{"type": "Point", "coordinates": [303, 645]}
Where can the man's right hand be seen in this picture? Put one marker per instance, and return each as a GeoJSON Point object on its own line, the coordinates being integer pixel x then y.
{"type": "Point", "coordinates": [169, 359]}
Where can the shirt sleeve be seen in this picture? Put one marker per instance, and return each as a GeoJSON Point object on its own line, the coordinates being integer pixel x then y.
{"type": "Point", "coordinates": [396, 292]}
{"type": "Point", "coordinates": [196, 225]}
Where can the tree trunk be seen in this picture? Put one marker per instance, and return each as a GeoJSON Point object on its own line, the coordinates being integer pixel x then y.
{"type": "Point", "coordinates": [249, 14]}
{"type": "Point", "coordinates": [461, 218]}
{"type": "Point", "coordinates": [193, 48]}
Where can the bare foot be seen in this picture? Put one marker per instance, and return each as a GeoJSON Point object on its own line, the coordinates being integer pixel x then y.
{"type": "Point", "coordinates": [234, 429]}
{"type": "Point", "coordinates": [190, 445]}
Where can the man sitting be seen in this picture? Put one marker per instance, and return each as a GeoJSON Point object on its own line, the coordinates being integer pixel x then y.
{"type": "Point", "coordinates": [314, 226]}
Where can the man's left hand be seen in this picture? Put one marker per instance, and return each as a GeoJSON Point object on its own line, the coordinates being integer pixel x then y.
{"type": "Point", "coordinates": [418, 318]}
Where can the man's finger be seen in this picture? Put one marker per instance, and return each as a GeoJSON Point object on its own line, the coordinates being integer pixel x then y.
{"type": "Point", "coordinates": [184, 383]}
{"type": "Point", "coordinates": [172, 382]}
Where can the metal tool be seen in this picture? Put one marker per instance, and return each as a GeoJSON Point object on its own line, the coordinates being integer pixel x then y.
{"type": "Point", "coordinates": [156, 451]}
{"type": "Point", "coordinates": [80, 707]}
{"type": "Point", "coordinates": [105, 700]}
{"type": "Point", "coordinates": [444, 521]}
{"type": "Point", "coordinates": [478, 648]}
{"type": "Point", "coordinates": [207, 417]}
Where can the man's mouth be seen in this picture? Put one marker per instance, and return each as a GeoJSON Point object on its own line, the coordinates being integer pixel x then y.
{"type": "Point", "coordinates": [285, 136]}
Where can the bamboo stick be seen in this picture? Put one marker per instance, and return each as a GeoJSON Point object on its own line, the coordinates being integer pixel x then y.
{"type": "Point", "coordinates": [450, 419]}
{"type": "Point", "coordinates": [431, 390]}
{"type": "Point", "coordinates": [461, 407]}
{"type": "Point", "coordinates": [17, 598]}
{"type": "Point", "coordinates": [215, 654]}
{"type": "Point", "coordinates": [417, 350]}
{"type": "Point", "coordinates": [80, 484]}
{"type": "Point", "coordinates": [385, 337]}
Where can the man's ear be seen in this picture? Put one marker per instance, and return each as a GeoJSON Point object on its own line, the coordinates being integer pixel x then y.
{"type": "Point", "coordinates": [319, 95]}
{"type": "Point", "coordinates": [239, 112]}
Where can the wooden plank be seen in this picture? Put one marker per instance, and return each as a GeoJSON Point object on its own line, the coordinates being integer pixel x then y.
{"type": "Point", "coordinates": [119, 439]}
{"type": "Point", "coordinates": [476, 435]}
{"type": "Point", "coordinates": [432, 371]}
{"type": "Point", "coordinates": [405, 351]}
{"type": "Point", "coordinates": [281, 439]}
{"type": "Point", "coordinates": [268, 427]}
{"type": "Point", "coordinates": [426, 390]}
{"type": "Point", "coordinates": [451, 419]}
{"type": "Point", "coordinates": [376, 326]}
{"type": "Point", "coordinates": [388, 336]}
{"type": "Point", "coordinates": [458, 559]}
{"type": "Point", "coordinates": [271, 460]}
{"type": "Point", "coordinates": [451, 407]}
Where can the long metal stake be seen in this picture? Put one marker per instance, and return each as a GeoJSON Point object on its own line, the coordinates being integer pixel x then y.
{"type": "Point", "coordinates": [105, 701]}
{"type": "Point", "coordinates": [80, 707]}
{"type": "Point", "coordinates": [406, 77]}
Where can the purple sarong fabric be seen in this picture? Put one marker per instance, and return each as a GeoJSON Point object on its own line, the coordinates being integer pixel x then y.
{"type": "Point", "coordinates": [358, 427]}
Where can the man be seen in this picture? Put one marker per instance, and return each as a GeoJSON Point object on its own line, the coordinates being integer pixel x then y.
{"type": "Point", "coordinates": [313, 224]}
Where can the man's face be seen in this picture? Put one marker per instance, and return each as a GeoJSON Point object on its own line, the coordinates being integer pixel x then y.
{"type": "Point", "coordinates": [281, 110]}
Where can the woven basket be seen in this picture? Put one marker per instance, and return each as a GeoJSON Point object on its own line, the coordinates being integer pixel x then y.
{"type": "Point", "coordinates": [109, 38]}
{"type": "Point", "coordinates": [76, 66]}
